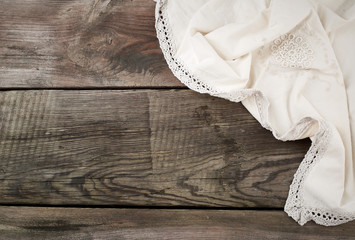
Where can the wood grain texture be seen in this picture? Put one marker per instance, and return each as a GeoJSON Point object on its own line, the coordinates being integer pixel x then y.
{"type": "Point", "coordinates": [139, 147]}
{"type": "Point", "coordinates": [80, 43]}
{"type": "Point", "coordinates": [90, 223]}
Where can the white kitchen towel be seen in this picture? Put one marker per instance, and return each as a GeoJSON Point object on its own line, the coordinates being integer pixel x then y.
{"type": "Point", "coordinates": [292, 65]}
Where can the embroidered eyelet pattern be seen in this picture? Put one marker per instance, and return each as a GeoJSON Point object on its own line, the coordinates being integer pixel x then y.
{"type": "Point", "coordinates": [292, 50]}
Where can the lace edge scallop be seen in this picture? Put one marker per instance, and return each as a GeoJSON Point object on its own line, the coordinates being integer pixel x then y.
{"type": "Point", "coordinates": [294, 206]}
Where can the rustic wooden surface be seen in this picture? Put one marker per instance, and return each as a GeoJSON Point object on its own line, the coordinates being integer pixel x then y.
{"type": "Point", "coordinates": [139, 147]}
{"type": "Point", "coordinates": [80, 44]}
{"type": "Point", "coordinates": [88, 223]}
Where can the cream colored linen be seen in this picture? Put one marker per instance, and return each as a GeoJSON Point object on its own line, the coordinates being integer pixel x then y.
{"type": "Point", "coordinates": [291, 63]}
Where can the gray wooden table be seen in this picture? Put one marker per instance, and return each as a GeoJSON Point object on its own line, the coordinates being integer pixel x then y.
{"type": "Point", "coordinates": [98, 140]}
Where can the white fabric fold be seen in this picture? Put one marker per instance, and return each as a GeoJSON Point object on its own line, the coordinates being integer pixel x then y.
{"type": "Point", "coordinates": [291, 64]}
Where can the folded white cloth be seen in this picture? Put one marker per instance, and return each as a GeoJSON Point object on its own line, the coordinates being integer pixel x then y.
{"type": "Point", "coordinates": [291, 63]}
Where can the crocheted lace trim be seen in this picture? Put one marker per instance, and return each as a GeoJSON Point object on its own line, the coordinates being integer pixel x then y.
{"type": "Point", "coordinates": [294, 206]}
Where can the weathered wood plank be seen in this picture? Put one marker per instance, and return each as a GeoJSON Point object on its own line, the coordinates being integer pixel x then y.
{"type": "Point", "coordinates": [139, 147]}
{"type": "Point", "coordinates": [80, 43]}
{"type": "Point", "coordinates": [90, 223]}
